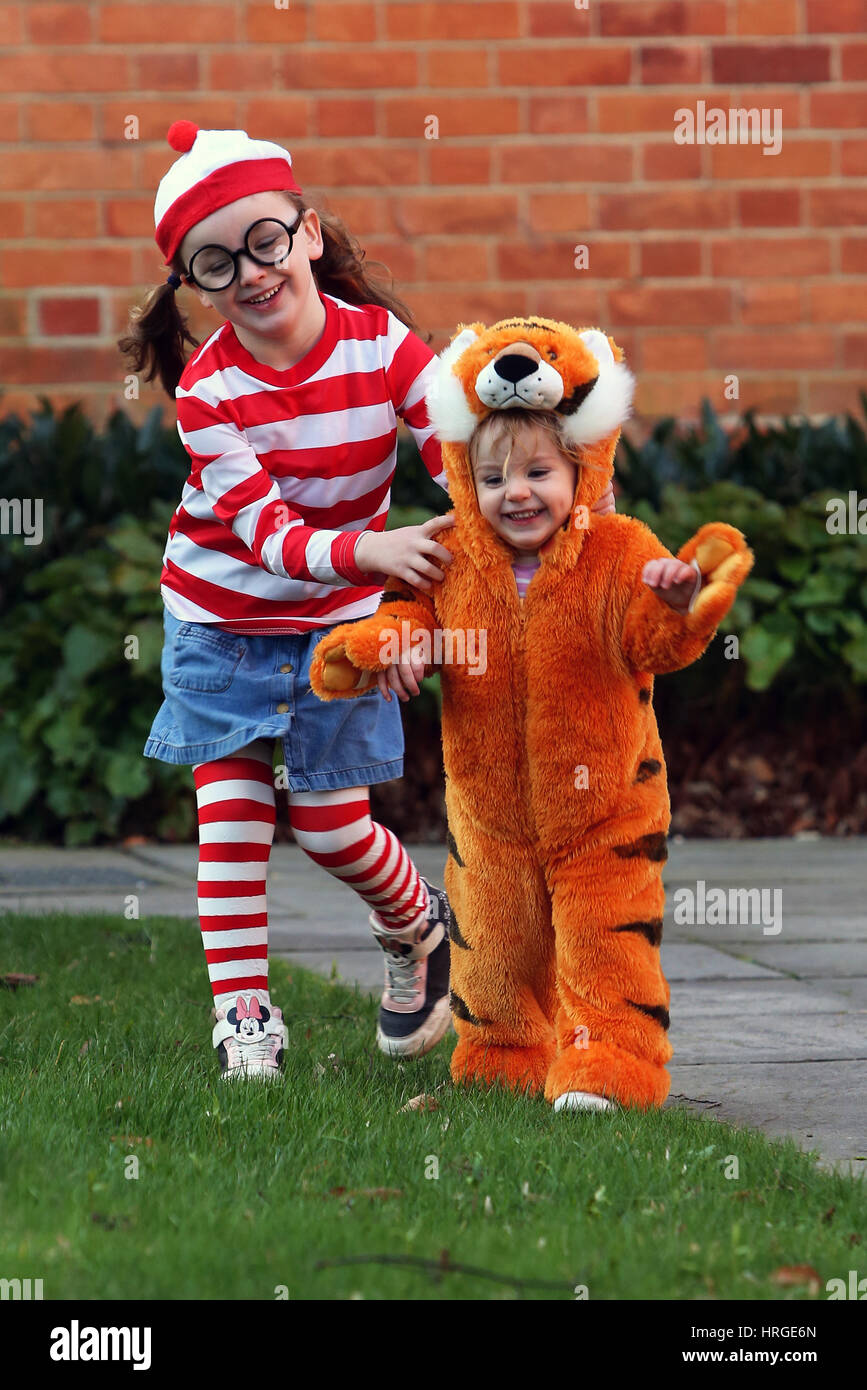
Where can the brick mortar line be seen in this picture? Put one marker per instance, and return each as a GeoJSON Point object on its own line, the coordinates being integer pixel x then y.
{"type": "Point", "coordinates": [523, 140]}
{"type": "Point", "coordinates": [848, 86]}
{"type": "Point", "coordinates": [463, 140]}
{"type": "Point", "coordinates": [409, 46]}
{"type": "Point", "coordinates": [444, 192]}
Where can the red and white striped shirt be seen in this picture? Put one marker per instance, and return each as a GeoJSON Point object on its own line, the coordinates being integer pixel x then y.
{"type": "Point", "coordinates": [289, 469]}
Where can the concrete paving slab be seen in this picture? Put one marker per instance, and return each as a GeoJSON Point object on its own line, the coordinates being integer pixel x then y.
{"type": "Point", "coordinates": [832, 924]}
{"type": "Point", "coordinates": [805, 1101]}
{"type": "Point", "coordinates": [835, 924]}
{"type": "Point", "coordinates": [770, 904]}
{"type": "Point", "coordinates": [811, 960]}
{"type": "Point", "coordinates": [854, 990]}
{"type": "Point", "coordinates": [28, 865]}
{"type": "Point", "coordinates": [688, 961]}
{"type": "Point", "coordinates": [761, 996]}
{"type": "Point", "coordinates": [801, 859]}
{"type": "Point", "coordinates": [776, 1036]}
{"type": "Point", "coordinates": [153, 902]}
{"type": "Point", "coordinates": [802, 895]}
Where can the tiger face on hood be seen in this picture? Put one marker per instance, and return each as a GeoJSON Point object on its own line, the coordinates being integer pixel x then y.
{"type": "Point", "coordinates": [534, 364]}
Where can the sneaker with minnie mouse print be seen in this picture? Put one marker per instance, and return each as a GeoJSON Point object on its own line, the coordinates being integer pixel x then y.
{"type": "Point", "coordinates": [250, 1038]}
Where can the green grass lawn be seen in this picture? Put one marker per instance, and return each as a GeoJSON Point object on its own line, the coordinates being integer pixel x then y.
{"type": "Point", "coordinates": [244, 1188]}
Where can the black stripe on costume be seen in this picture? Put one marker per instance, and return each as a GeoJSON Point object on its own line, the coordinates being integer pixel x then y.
{"type": "Point", "coordinates": [579, 395]}
{"type": "Point", "coordinates": [652, 929]}
{"type": "Point", "coordinates": [657, 1011]}
{"type": "Point", "coordinates": [456, 935]}
{"type": "Point", "coordinates": [453, 848]}
{"type": "Point", "coordinates": [460, 1010]}
{"type": "Point", "coordinates": [395, 595]}
{"type": "Point", "coordinates": [648, 769]}
{"type": "Point", "coordinates": [644, 695]}
{"type": "Point", "coordinates": [646, 847]}
{"type": "Point", "coordinates": [524, 323]}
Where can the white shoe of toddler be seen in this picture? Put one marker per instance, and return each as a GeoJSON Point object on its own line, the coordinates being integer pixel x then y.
{"type": "Point", "coordinates": [583, 1100]}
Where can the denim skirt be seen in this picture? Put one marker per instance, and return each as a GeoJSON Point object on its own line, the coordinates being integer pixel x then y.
{"type": "Point", "coordinates": [223, 690]}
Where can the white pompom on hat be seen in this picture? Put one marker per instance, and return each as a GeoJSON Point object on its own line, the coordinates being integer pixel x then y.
{"type": "Point", "coordinates": [216, 167]}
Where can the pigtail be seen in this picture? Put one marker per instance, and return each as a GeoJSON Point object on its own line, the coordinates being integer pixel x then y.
{"type": "Point", "coordinates": [158, 334]}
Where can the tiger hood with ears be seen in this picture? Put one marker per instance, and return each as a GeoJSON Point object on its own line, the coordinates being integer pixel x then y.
{"type": "Point", "coordinates": [534, 364]}
{"type": "Point", "coordinates": [556, 790]}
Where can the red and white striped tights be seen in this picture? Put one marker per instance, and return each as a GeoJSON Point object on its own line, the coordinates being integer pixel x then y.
{"type": "Point", "coordinates": [236, 808]}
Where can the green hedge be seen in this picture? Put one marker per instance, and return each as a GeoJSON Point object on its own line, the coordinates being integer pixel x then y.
{"type": "Point", "coordinates": [76, 703]}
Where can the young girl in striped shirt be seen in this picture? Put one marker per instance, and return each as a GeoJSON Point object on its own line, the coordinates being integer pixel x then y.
{"type": "Point", "coordinates": [288, 412]}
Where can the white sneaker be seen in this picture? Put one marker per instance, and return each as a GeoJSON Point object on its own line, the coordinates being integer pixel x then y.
{"type": "Point", "coordinates": [250, 1038]}
{"type": "Point", "coordinates": [583, 1100]}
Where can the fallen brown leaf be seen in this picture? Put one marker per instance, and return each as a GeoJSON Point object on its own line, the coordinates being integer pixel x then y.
{"type": "Point", "coordinates": [83, 999]}
{"type": "Point", "coordinates": [421, 1102]}
{"type": "Point", "coordinates": [797, 1274]}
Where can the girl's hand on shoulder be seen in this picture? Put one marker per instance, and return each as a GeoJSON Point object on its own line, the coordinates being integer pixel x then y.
{"type": "Point", "coordinates": [404, 678]}
{"type": "Point", "coordinates": [605, 505]}
{"type": "Point", "coordinates": [671, 580]}
{"type": "Point", "coordinates": [407, 553]}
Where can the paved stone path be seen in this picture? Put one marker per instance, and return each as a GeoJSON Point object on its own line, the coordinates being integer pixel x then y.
{"type": "Point", "coordinates": [769, 1026]}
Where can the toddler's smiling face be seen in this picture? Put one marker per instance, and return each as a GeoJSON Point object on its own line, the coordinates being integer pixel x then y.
{"type": "Point", "coordinates": [525, 495]}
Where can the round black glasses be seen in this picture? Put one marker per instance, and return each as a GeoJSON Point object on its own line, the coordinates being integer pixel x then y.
{"type": "Point", "coordinates": [267, 242]}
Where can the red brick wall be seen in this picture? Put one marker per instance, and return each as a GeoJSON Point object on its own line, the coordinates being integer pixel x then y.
{"type": "Point", "coordinates": [555, 129]}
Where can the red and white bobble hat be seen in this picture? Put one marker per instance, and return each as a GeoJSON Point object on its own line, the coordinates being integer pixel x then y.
{"type": "Point", "coordinates": [216, 167]}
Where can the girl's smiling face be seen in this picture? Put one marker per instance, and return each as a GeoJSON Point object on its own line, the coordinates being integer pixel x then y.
{"type": "Point", "coordinates": [296, 298]}
{"type": "Point", "coordinates": [527, 505]}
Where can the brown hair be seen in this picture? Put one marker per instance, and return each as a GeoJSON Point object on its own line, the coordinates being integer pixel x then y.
{"type": "Point", "coordinates": [515, 422]}
{"type": "Point", "coordinates": [158, 331]}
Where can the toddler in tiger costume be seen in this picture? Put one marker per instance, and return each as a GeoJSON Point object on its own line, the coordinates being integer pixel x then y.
{"type": "Point", "coordinates": [556, 791]}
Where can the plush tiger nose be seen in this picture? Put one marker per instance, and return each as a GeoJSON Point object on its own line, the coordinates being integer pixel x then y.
{"type": "Point", "coordinates": [515, 366]}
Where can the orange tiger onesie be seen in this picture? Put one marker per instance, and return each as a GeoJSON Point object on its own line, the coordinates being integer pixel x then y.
{"type": "Point", "coordinates": [556, 791]}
